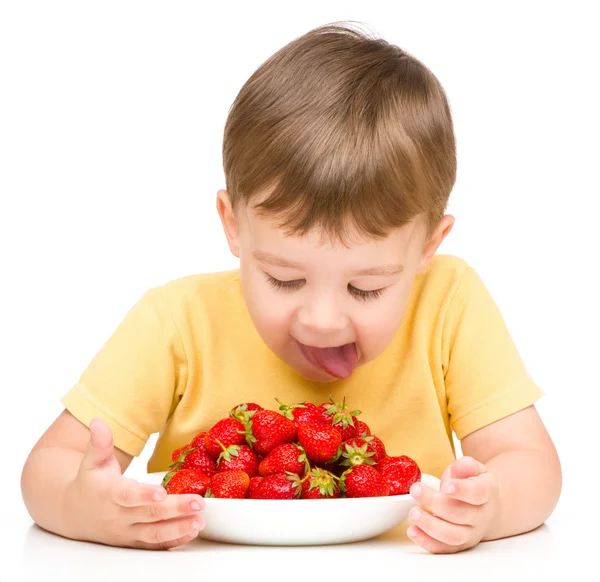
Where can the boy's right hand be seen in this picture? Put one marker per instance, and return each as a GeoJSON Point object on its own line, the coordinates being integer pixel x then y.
{"type": "Point", "coordinates": [111, 509]}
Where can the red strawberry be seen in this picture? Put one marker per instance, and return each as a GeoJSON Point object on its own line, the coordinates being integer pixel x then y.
{"type": "Point", "coordinates": [229, 484]}
{"type": "Point", "coordinates": [321, 484]}
{"type": "Point", "coordinates": [362, 429]}
{"type": "Point", "coordinates": [254, 483]}
{"type": "Point", "coordinates": [399, 473]}
{"type": "Point", "coordinates": [240, 457]}
{"type": "Point", "coordinates": [268, 429]}
{"type": "Point", "coordinates": [186, 481]}
{"type": "Point", "coordinates": [279, 486]}
{"type": "Point", "coordinates": [198, 442]}
{"type": "Point", "coordinates": [177, 452]}
{"type": "Point", "coordinates": [369, 450]}
{"type": "Point", "coordinates": [228, 431]}
{"type": "Point", "coordinates": [364, 481]}
{"type": "Point", "coordinates": [376, 445]}
{"type": "Point", "coordinates": [320, 441]}
{"type": "Point", "coordinates": [397, 460]}
{"type": "Point", "coordinates": [347, 433]}
{"type": "Point", "coordinates": [300, 413]}
{"type": "Point", "coordinates": [197, 460]}
{"type": "Point", "coordinates": [288, 457]}
{"type": "Point", "coordinates": [340, 416]}
{"type": "Point", "coordinates": [244, 412]}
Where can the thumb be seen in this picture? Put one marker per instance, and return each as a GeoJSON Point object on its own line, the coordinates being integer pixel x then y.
{"type": "Point", "coordinates": [463, 468]}
{"type": "Point", "coordinates": [100, 448]}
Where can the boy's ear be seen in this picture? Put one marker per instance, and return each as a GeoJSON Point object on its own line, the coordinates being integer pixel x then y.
{"type": "Point", "coordinates": [431, 246]}
{"type": "Point", "coordinates": [229, 220]}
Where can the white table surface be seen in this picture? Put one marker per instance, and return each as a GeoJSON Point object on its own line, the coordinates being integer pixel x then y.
{"type": "Point", "coordinates": [29, 553]}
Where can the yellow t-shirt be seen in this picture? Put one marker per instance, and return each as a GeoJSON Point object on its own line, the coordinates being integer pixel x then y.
{"type": "Point", "coordinates": [187, 352]}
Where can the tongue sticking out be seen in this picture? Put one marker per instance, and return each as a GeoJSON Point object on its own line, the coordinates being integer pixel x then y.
{"type": "Point", "coordinates": [339, 361]}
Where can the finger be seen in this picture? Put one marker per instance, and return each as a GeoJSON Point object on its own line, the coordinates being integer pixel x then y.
{"type": "Point", "coordinates": [173, 506]}
{"type": "Point", "coordinates": [441, 505]}
{"type": "Point", "coordinates": [100, 447]}
{"type": "Point", "coordinates": [166, 531]}
{"type": "Point", "coordinates": [130, 493]}
{"type": "Point", "coordinates": [475, 491]}
{"type": "Point", "coordinates": [463, 468]}
{"type": "Point", "coordinates": [166, 545]}
{"type": "Point", "coordinates": [447, 533]}
{"type": "Point", "coordinates": [430, 544]}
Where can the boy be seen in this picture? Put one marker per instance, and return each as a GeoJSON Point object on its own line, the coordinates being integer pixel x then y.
{"type": "Point", "coordinates": [339, 158]}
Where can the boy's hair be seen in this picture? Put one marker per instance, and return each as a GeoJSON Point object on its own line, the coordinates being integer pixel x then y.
{"type": "Point", "coordinates": [343, 132]}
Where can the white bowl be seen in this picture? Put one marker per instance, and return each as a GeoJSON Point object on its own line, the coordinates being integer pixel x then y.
{"type": "Point", "coordinates": [301, 522]}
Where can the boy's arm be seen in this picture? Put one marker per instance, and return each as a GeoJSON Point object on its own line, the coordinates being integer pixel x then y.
{"type": "Point", "coordinates": [519, 452]}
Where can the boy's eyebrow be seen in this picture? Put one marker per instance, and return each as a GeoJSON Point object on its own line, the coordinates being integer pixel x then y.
{"type": "Point", "coordinates": [382, 270]}
{"type": "Point", "coordinates": [272, 259]}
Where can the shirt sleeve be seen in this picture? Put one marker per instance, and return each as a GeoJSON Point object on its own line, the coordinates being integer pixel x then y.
{"type": "Point", "coordinates": [135, 379]}
{"type": "Point", "coordinates": [485, 377]}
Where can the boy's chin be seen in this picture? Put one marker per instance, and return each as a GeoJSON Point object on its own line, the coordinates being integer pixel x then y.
{"type": "Point", "coordinates": [318, 377]}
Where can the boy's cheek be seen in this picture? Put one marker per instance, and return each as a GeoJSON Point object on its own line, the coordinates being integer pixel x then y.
{"type": "Point", "coordinates": [375, 335]}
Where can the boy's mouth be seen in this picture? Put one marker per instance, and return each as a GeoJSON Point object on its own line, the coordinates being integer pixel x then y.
{"type": "Point", "coordinates": [337, 361]}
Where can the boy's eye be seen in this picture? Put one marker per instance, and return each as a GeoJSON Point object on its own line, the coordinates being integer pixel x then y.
{"type": "Point", "coordinates": [291, 285]}
{"type": "Point", "coordinates": [287, 285]}
{"type": "Point", "coordinates": [365, 295]}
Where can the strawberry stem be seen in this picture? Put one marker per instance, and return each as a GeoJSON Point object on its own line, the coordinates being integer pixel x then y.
{"type": "Point", "coordinates": [177, 464]}
{"type": "Point", "coordinates": [287, 408]}
{"type": "Point", "coordinates": [167, 478]}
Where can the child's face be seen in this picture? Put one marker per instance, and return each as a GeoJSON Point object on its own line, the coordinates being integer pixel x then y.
{"type": "Point", "coordinates": [329, 299]}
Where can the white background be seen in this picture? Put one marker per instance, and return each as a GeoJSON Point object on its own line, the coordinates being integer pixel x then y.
{"type": "Point", "coordinates": [111, 121]}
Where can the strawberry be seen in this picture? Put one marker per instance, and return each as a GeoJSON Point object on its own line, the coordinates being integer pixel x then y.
{"type": "Point", "coordinates": [287, 457]}
{"type": "Point", "coordinates": [268, 429]}
{"type": "Point", "coordinates": [321, 442]}
{"type": "Point", "coordinates": [348, 432]}
{"type": "Point", "coordinates": [177, 452]}
{"type": "Point", "coordinates": [341, 417]}
{"type": "Point", "coordinates": [228, 431]}
{"type": "Point", "coordinates": [279, 486]}
{"type": "Point", "coordinates": [364, 481]}
{"type": "Point", "coordinates": [300, 413]}
{"type": "Point", "coordinates": [376, 445]}
{"type": "Point", "coordinates": [244, 412]}
{"type": "Point", "coordinates": [399, 473]}
{"type": "Point", "coordinates": [229, 485]}
{"type": "Point", "coordinates": [362, 429]}
{"type": "Point", "coordinates": [254, 483]}
{"type": "Point", "coordinates": [398, 460]}
{"type": "Point", "coordinates": [321, 484]}
{"type": "Point", "coordinates": [198, 442]}
{"type": "Point", "coordinates": [240, 457]}
{"type": "Point", "coordinates": [186, 481]}
{"type": "Point", "coordinates": [369, 450]}
{"type": "Point", "coordinates": [196, 459]}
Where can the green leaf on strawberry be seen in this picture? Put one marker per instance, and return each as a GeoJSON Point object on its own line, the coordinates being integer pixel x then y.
{"type": "Point", "coordinates": [355, 455]}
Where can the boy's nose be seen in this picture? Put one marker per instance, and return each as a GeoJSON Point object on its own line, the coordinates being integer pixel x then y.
{"type": "Point", "coordinates": [322, 317]}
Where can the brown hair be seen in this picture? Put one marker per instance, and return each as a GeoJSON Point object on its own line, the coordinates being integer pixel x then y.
{"type": "Point", "coordinates": [339, 129]}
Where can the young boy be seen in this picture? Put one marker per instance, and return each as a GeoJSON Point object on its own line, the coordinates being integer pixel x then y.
{"type": "Point", "coordinates": [339, 158]}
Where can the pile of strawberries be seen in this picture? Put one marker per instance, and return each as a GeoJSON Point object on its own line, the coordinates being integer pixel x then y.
{"type": "Point", "coordinates": [302, 452]}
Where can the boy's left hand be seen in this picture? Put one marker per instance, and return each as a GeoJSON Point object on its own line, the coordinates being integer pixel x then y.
{"type": "Point", "coordinates": [458, 516]}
